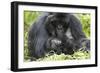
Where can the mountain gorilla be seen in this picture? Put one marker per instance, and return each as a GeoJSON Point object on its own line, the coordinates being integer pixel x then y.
{"type": "Point", "coordinates": [58, 33]}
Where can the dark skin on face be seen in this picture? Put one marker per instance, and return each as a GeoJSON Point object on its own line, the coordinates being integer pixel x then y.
{"type": "Point", "coordinates": [59, 26]}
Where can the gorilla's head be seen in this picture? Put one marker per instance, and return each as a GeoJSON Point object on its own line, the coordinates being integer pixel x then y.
{"type": "Point", "coordinates": [56, 24]}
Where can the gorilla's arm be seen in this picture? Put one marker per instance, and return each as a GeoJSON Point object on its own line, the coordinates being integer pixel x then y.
{"type": "Point", "coordinates": [76, 28]}
{"type": "Point", "coordinates": [77, 33]}
{"type": "Point", "coordinates": [37, 37]}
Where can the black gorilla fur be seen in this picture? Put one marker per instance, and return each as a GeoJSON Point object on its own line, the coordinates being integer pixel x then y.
{"type": "Point", "coordinates": [60, 32]}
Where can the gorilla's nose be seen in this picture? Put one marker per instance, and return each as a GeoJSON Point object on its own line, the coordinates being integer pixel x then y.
{"type": "Point", "coordinates": [60, 27]}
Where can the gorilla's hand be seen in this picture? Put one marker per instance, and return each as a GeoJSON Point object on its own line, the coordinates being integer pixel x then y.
{"type": "Point", "coordinates": [85, 45]}
{"type": "Point", "coordinates": [55, 43]}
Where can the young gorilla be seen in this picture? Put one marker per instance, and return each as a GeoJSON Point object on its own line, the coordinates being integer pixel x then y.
{"type": "Point", "coordinates": [60, 32]}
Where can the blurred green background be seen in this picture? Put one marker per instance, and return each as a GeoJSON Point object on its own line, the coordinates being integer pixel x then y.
{"type": "Point", "coordinates": [31, 16]}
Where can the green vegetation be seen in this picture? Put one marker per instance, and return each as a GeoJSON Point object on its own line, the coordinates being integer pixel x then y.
{"type": "Point", "coordinates": [85, 20]}
{"type": "Point", "coordinates": [80, 55]}
{"type": "Point", "coordinates": [30, 17]}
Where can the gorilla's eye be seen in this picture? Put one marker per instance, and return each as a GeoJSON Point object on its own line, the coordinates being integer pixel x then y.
{"type": "Point", "coordinates": [65, 24]}
{"type": "Point", "coordinates": [53, 23]}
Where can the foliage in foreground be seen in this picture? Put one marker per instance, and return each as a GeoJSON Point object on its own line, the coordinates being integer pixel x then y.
{"type": "Point", "coordinates": [80, 55]}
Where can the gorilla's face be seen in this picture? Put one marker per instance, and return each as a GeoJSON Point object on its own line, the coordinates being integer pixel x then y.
{"type": "Point", "coordinates": [57, 24]}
